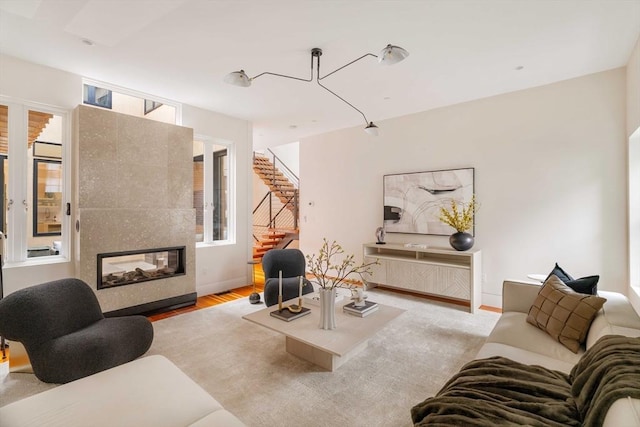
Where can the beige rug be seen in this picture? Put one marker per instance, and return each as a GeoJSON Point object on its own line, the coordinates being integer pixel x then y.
{"type": "Point", "coordinates": [245, 367]}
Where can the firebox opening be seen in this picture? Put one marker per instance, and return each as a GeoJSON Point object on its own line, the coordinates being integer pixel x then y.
{"type": "Point", "coordinates": [129, 267]}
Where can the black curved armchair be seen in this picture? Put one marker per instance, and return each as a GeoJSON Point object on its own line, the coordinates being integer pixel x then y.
{"type": "Point", "coordinates": [292, 264]}
{"type": "Point", "coordinates": [66, 336]}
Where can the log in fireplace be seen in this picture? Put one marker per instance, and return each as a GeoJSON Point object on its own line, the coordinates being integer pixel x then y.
{"type": "Point", "coordinates": [130, 267]}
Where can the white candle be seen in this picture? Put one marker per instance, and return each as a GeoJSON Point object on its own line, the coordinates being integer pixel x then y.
{"type": "Point", "coordinates": [280, 283]}
{"type": "Point", "coordinates": [300, 294]}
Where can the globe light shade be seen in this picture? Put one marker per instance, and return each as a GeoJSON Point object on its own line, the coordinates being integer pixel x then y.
{"type": "Point", "coordinates": [392, 55]}
{"type": "Point", "coordinates": [238, 78]}
{"type": "Point", "coordinates": [371, 129]}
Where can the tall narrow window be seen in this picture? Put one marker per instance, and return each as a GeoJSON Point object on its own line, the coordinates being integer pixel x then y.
{"type": "Point", "coordinates": [45, 184]}
{"type": "Point", "coordinates": [198, 188]}
{"type": "Point", "coordinates": [4, 167]}
{"type": "Point", "coordinates": [634, 211]}
{"type": "Point", "coordinates": [4, 170]}
{"type": "Point", "coordinates": [220, 192]}
{"type": "Point", "coordinates": [33, 180]}
{"type": "Point", "coordinates": [47, 197]}
{"type": "Point", "coordinates": [213, 196]}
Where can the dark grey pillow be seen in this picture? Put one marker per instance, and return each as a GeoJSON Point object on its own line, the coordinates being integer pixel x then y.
{"type": "Point", "coordinates": [560, 274]}
{"type": "Point", "coordinates": [584, 285]}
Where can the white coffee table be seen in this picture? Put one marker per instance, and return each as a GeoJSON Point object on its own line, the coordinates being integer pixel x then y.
{"type": "Point", "coordinates": [328, 349]}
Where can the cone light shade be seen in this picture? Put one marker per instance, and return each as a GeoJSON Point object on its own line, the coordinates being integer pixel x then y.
{"type": "Point", "coordinates": [238, 78]}
{"type": "Point", "coordinates": [392, 55]}
{"type": "Point", "coordinates": [371, 129]}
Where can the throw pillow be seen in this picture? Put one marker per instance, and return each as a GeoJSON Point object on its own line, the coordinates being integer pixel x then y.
{"type": "Point", "coordinates": [584, 285]}
{"type": "Point", "coordinates": [560, 274]}
{"type": "Point", "coordinates": [563, 313]}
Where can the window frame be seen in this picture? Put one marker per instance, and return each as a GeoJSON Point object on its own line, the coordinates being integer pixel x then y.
{"type": "Point", "coordinates": [209, 195]}
{"type": "Point", "coordinates": [34, 210]}
{"type": "Point", "coordinates": [143, 96]}
{"type": "Point", "coordinates": [17, 188]}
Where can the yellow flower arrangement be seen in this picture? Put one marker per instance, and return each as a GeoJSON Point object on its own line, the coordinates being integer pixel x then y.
{"type": "Point", "coordinates": [460, 215]}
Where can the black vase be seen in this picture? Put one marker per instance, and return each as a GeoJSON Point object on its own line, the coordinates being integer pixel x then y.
{"type": "Point", "coordinates": [461, 241]}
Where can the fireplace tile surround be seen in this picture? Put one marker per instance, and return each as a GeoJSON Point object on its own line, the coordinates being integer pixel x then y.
{"type": "Point", "coordinates": [134, 180]}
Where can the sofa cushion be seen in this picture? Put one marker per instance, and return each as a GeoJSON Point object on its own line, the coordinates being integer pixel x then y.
{"type": "Point", "coordinates": [583, 285]}
{"type": "Point", "coordinates": [563, 313]}
{"type": "Point", "coordinates": [150, 391]}
{"type": "Point", "coordinates": [560, 274]}
{"type": "Point", "coordinates": [527, 357]}
{"type": "Point", "coordinates": [513, 330]}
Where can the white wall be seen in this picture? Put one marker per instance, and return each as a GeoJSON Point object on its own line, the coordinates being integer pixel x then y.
{"type": "Point", "coordinates": [549, 170]}
{"type": "Point", "coordinates": [217, 268]}
{"type": "Point", "coordinates": [223, 267]}
{"type": "Point", "coordinates": [289, 154]}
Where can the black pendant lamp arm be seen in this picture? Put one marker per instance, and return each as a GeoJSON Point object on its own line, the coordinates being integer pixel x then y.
{"type": "Point", "coordinates": [335, 94]}
{"type": "Point", "coordinates": [346, 65]}
{"type": "Point", "coordinates": [288, 77]}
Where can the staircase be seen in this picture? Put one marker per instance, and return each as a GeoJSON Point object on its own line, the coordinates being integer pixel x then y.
{"type": "Point", "coordinates": [275, 219]}
{"type": "Point", "coordinates": [37, 122]}
{"type": "Point", "coordinates": [277, 182]}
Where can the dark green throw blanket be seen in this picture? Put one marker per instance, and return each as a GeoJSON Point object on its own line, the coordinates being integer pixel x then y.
{"type": "Point", "coordinates": [500, 391]}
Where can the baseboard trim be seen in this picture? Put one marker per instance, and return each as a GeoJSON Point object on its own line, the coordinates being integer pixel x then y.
{"type": "Point", "coordinates": [166, 304]}
{"type": "Point", "coordinates": [427, 296]}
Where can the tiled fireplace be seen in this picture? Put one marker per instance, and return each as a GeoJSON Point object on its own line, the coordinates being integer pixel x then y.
{"type": "Point", "coordinates": [134, 199]}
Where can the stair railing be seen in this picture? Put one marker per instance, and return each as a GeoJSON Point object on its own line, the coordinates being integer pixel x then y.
{"type": "Point", "coordinates": [278, 164]}
{"type": "Point", "coordinates": [288, 200]}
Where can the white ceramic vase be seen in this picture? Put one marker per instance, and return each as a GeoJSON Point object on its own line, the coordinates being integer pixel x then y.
{"type": "Point", "coordinates": [328, 308]}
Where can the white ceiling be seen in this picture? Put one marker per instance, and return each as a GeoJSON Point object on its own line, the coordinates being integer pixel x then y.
{"type": "Point", "coordinates": [460, 50]}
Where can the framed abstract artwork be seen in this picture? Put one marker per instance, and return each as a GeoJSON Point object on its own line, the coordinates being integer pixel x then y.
{"type": "Point", "coordinates": [412, 201]}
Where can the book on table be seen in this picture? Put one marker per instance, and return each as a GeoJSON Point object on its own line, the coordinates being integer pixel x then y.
{"type": "Point", "coordinates": [288, 316]}
{"type": "Point", "coordinates": [353, 308]}
{"type": "Point", "coordinates": [361, 313]}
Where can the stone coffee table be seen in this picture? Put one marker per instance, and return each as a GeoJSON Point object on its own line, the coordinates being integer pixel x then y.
{"type": "Point", "coordinates": [328, 349]}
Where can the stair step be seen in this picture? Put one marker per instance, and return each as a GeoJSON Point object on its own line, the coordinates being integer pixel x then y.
{"type": "Point", "coordinates": [267, 242]}
{"type": "Point", "coordinates": [274, 235]}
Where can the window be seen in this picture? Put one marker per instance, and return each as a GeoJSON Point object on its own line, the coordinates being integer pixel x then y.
{"type": "Point", "coordinates": [35, 181]}
{"type": "Point", "coordinates": [97, 96]}
{"type": "Point", "coordinates": [47, 197]}
{"type": "Point", "coordinates": [634, 210]}
{"type": "Point", "coordinates": [130, 102]}
{"type": "Point", "coordinates": [213, 195]}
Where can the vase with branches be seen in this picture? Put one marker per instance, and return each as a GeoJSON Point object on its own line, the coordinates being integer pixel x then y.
{"type": "Point", "coordinates": [330, 272]}
{"type": "Point", "coordinates": [331, 269]}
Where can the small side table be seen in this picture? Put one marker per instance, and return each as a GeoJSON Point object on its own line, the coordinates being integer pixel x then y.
{"type": "Point", "coordinates": [254, 298]}
{"type": "Point", "coordinates": [537, 277]}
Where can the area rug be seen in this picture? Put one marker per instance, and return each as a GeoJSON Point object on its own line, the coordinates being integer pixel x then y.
{"type": "Point", "coordinates": [246, 368]}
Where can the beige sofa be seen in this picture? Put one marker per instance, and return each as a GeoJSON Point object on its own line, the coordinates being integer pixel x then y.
{"type": "Point", "coordinates": [150, 391]}
{"type": "Point", "coordinates": [514, 338]}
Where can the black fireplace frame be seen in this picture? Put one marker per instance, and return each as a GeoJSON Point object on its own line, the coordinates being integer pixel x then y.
{"type": "Point", "coordinates": [180, 270]}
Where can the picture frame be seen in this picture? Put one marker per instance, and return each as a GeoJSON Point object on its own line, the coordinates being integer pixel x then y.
{"type": "Point", "coordinates": [412, 201]}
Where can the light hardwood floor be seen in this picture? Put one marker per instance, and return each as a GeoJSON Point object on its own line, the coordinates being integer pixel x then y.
{"type": "Point", "coordinates": [215, 299]}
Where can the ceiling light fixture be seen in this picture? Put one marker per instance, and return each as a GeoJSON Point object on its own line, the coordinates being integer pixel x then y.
{"type": "Point", "coordinates": [388, 56]}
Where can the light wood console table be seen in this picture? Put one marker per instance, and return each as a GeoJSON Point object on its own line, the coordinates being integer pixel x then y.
{"type": "Point", "coordinates": [433, 271]}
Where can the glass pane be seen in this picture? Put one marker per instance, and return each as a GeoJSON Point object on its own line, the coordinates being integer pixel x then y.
{"type": "Point", "coordinates": [45, 184]}
{"type": "Point", "coordinates": [220, 193]}
{"type": "Point", "coordinates": [97, 96]}
{"type": "Point", "coordinates": [128, 104]}
{"type": "Point", "coordinates": [198, 188]}
{"type": "Point", "coordinates": [48, 200]}
{"type": "Point", "coordinates": [4, 169]}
